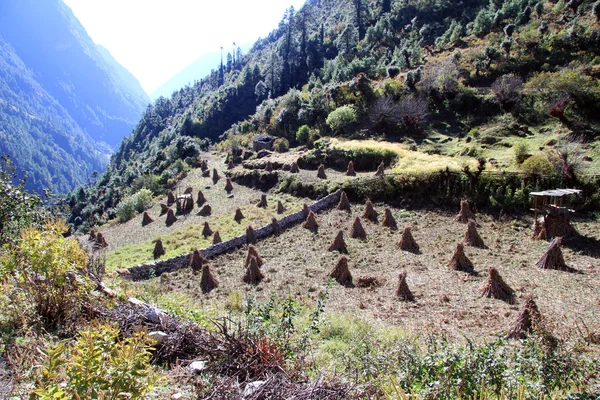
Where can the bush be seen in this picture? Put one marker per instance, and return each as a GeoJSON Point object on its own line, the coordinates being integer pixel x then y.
{"type": "Point", "coordinates": [98, 365]}
{"type": "Point", "coordinates": [303, 134]}
{"type": "Point", "coordinates": [507, 91]}
{"type": "Point", "coordinates": [537, 165]}
{"type": "Point", "coordinates": [340, 119]}
{"type": "Point", "coordinates": [281, 145]}
{"type": "Point", "coordinates": [521, 152]}
{"type": "Point", "coordinates": [129, 206]}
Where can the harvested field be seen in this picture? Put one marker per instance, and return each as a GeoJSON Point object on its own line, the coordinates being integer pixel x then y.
{"type": "Point", "coordinates": [297, 263]}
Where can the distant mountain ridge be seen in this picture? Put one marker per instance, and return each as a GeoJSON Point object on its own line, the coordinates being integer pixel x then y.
{"type": "Point", "coordinates": [66, 102]}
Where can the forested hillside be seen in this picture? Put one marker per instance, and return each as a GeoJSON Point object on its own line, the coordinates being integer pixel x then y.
{"type": "Point", "coordinates": [482, 70]}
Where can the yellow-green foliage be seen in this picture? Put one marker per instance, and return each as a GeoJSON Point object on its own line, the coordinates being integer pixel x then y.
{"type": "Point", "coordinates": [538, 165]}
{"type": "Point", "coordinates": [98, 365]}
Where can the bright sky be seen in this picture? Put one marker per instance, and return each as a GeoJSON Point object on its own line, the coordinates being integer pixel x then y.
{"type": "Point", "coordinates": [155, 39]}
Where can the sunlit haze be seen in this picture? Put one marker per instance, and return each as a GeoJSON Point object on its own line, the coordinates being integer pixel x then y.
{"type": "Point", "coordinates": [155, 39]}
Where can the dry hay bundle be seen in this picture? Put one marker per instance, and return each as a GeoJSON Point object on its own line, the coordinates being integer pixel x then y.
{"type": "Point", "coordinates": [215, 176]}
{"type": "Point", "coordinates": [472, 238]}
{"type": "Point", "coordinates": [250, 235]}
{"type": "Point", "coordinates": [338, 243]}
{"type": "Point", "coordinates": [403, 291]}
{"type": "Point", "coordinates": [321, 172]}
{"type": "Point", "coordinates": [197, 260]}
{"type": "Point", "coordinates": [528, 320]}
{"type": "Point", "coordinates": [370, 212]}
{"type": "Point", "coordinates": [388, 219]}
{"type": "Point", "coordinates": [269, 167]}
{"type": "Point", "coordinates": [558, 225]}
{"type": "Point", "coordinates": [230, 164]}
{"type": "Point", "coordinates": [496, 288]}
{"type": "Point", "coordinates": [539, 232]}
{"type": "Point", "coordinates": [206, 231]}
{"type": "Point", "coordinates": [170, 198]}
{"type": "Point", "coordinates": [217, 237]}
{"type": "Point", "coordinates": [208, 281]}
{"type": "Point", "coordinates": [357, 231]}
{"type": "Point", "coordinates": [465, 214]}
{"type": "Point", "coordinates": [163, 209]}
{"type": "Point", "coordinates": [188, 190]}
{"type": "Point", "coordinates": [294, 168]}
{"type": "Point", "coordinates": [159, 249]}
{"type": "Point", "coordinates": [344, 204]}
{"type": "Point", "coordinates": [205, 211]}
{"type": "Point", "coordinates": [311, 222]}
{"type": "Point", "coordinates": [553, 257]}
{"type": "Point", "coordinates": [380, 169]}
{"type": "Point", "coordinates": [280, 208]}
{"type": "Point", "coordinates": [253, 252]}
{"type": "Point", "coordinates": [305, 210]}
{"type": "Point", "coordinates": [171, 218]}
{"type": "Point", "coordinates": [92, 236]}
{"type": "Point", "coordinates": [200, 199]}
{"type": "Point", "coordinates": [146, 219]}
{"type": "Point", "coordinates": [275, 225]}
{"type": "Point", "coordinates": [263, 201]}
{"type": "Point", "coordinates": [100, 240]}
{"type": "Point", "coordinates": [238, 217]}
{"type": "Point", "coordinates": [341, 273]}
{"type": "Point", "coordinates": [350, 171]}
{"type": "Point", "coordinates": [206, 173]}
{"type": "Point", "coordinates": [459, 261]}
{"type": "Point", "coordinates": [407, 242]}
{"type": "Point", "coordinates": [253, 274]}
{"type": "Point", "coordinates": [369, 282]}
{"type": "Point", "coordinates": [204, 165]}
{"type": "Point", "coordinates": [228, 186]}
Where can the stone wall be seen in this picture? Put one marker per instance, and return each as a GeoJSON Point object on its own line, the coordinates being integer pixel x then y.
{"type": "Point", "coordinates": [145, 271]}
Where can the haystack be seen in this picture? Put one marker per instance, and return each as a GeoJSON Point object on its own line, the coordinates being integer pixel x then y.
{"type": "Point", "coordinates": [206, 173]}
{"type": "Point", "coordinates": [269, 167]}
{"type": "Point", "coordinates": [100, 240]}
{"type": "Point", "coordinates": [263, 201]}
{"type": "Point", "coordinates": [205, 211]}
{"type": "Point", "coordinates": [338, 243]}
{"type": "Point", "coordinates": [197, 260]}
{"type": "Point", "coordinates": [216, 238]}
{"type": "Point", "coordinates": [388, 219]}
{"type": "Point", "coordinates": [188, 190]}
{"type": "Point", "coordinates": [215, 176]}
{"type": "Point", "coordinates": [344, 204]}
{"type": "Point", "coordinates": [495, 287]}
{"type": "Point", "coordinates": [553, 257]}
{"type": "Point", "coordinates": [305, 210]}
{"type": "Point", "coordinates": [528, 320]}
{"type": "Point", "coordinates": [228, 186]}
{"type": "Point", "coordinates": [163, 209]}
{"type": "Point", "coordinates": [350, 171]}
{"type": "Point", "coordinates": [341, 273]}
{"type": "Point", "coordinates": [465, 214]}
{"type": "Point", "coordinates": [92, 236]}
{"type": "Point", "coordinates": [280, 208]}
{"type": "Point", "coordinates": [369, 282]}
{"type": "Point", "coordinates": [459, 261]}
{"type": "Point", "coordinates": [407, 242]}
{"type": "Point", "coordinates": [170, 198]}
{"type": "Point", "coordinates": [472, 238]}
{"type": "Point", "coordinates": [380, 169]}
{"type": "Point", "coordinates": [208, 281]}
{"type": "Point", "coordinates": [200, 199]}
{"type": "Point", "coordinates": [250, 235]}
{"type": "Point", "coordinates": [206, 231]}
{"type": "Point", "coordinates": [275, 225]}
{"type": "Point", "coordinates": [357, 231]}
{"type": "Point", "coordinates": [403, 291]}
{"type": "Point", "coordinates": [253, 274]}
{"type": "Point", "coordinates": [159, 249]}
{"type": "Point", "coordinates": [321, 172]}
{"type": "Point", "coordinates": [146, 219]}
{"type": "Point", "coordinates": [230, 164]}
{"type": "Point", "coordinates": [204, 165]}
{"type": "Point", "coordinates": [294, 168]}
{"type": "Point", "coordinates": [311, 222]}
{"type": "Point", "coordinates": [171, 218]}
{"type": "Point", "coordinates": [253, 252]}
{"type": "Point", "coordinates": [238, 217]}
{"type": "Point", "coordinates": [370, 212]}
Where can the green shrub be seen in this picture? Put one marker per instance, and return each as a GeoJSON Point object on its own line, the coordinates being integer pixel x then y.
{"type": "Point", "coordinates": [537, 165]}
{"type": "Point", "coordinates": [129, 206]}
{"type": "Point", "coordinates": [341, 118]}
{"type": "Point", "coordinates": [303, 134]}
{"type": "Point", "coordinates": [98, 365]}
{"type": "Point", "coordinates": [281, 145]}
{"type": "Point", "coordinates": [521, 152]}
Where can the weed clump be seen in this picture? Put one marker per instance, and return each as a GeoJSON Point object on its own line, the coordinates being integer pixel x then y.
{"type": "Point", "coordinates": [311, 223]}
{"type": "Point", "coordinates": [403, 291]}
{"type": "Point", "coordinates": [263, 201]}
{"type": "Point", "coordinates": [338, 243]}
{"type": "Point", "coordinates": [472, 238]}
{"type": "Point", "coordinates": [216, 237]}
{"type": "Point", "coordinates": [253, 274]}
{"type": "Point", "coordinates": [171, 218]}
{"type": "Point", "coordinates": [159, 249]}
{"type": "Point", "coordinates": [459, 261]}
{"type": "Point", "coordinates": [238, 216]}
{"type": "Point", "coordinates": [208, 281]}
{"type": "Point", "coordinates": [205, 211]}
{"type": "Point", "coordinates": [553, 257]}
{"type": "Point", "coordinates": [250, 235]}
{"type": "Point", "coordinates": [465, 214]}
{"type": "Point", "coordinates": [350, 170]}
{"type": "Point", "coordinates": [280, 207]}
{"type": "Point", "coordinates": [197, 260]}
{"type": "Point", "coordinates": [370, 212]}
{"type": "Point", "coordinates": [369, 282]}
{"type": "Point", "coordinates": [528, 320]}
{"type": "Point", "coordinates": [341, 273]}
{"type": "Point", "coordinates": [388, 220]}
{"type": "Point", "coordinates": [146, 219]}
{"type": "Point", "coordinates": [357, 231]}
{"type": "Point", "coordinates": [344, 204]}
{"type": "Point", "coordinates": [495, 287]}
{"type": "Point", "coordinates": [407, 242]}
{"type": "Point", "coordinates": [228, 186]}
{"type": "Point", "coordinates": [206, 231]}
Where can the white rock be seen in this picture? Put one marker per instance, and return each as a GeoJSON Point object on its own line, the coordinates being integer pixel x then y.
{"type": "Point", "coordinates": [197, 366]}
{"type": "Point", "coordinates": [252, 387]}
{"type": "Point", "coordinates": [136, 302]}
{"type": "Point", "coordinates": [158, 336]}
{"type": "Point", "coordinates": [177, 396]}
{"type": "Point", "coordinates": [157, 316]}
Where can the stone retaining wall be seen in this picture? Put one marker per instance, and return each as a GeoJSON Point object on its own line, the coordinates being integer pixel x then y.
{"type": "Point", "coordinates": [145, 271]}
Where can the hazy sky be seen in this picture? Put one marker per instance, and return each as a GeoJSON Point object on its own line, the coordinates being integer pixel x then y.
{"type": "Point", "coordinates": [155, 39]}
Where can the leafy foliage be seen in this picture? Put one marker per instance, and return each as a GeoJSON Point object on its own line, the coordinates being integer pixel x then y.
{"type": "Point", "coordinates": [135, 204]}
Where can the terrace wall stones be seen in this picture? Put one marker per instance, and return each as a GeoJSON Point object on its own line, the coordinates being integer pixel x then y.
{"type": "Point", "coordinates": [145, 271]}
